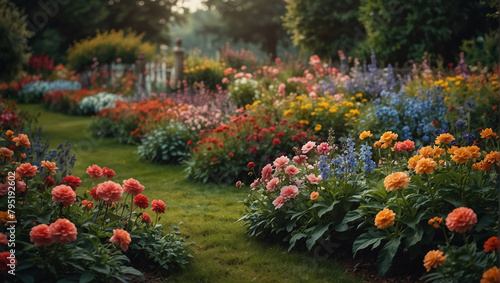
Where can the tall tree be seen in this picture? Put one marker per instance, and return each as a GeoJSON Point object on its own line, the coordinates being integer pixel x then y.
{"type": "Point", "coordinates": [324, 26]}
{"type": "Point", "coordinates": [255, 21]}
{"type": "Point", "coordinates": [401, 30]}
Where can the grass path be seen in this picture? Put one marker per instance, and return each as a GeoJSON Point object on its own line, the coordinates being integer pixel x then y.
{"type": "Point", "coordinates": [223, 253]}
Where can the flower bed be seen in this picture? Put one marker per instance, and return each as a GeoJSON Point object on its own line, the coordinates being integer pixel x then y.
{"type": "Point", "coordinates": [91, 237]}
{"type": "Point", "coordinates": [388, 196]}
{"type": "Point", "coordinates": [34, 92]}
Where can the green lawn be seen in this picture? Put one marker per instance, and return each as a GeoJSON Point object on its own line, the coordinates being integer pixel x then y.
{"type": "Point", "coordinates": [223, 253]}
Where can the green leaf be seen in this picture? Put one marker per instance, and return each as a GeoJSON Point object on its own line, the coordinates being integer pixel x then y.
{"type": "Point", "coordinates": [385, 256]}
{"type": "Point", "coordinates": [87, 277]}
{"type": "Point", "coordinates": [367, 239]}
{"type": "Point", "coordinates": [316, 234]}
{"type": "Point", "coordinates": [294, 239]}
{"type": "Point", "coordinates": [327, 209]}
{"type": "Point", "coordinates": [132, 271]}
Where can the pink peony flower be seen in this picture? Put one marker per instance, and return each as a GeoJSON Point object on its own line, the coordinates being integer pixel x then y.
{"type": "Point", "coordinates": [158, 206]}
{"type": "Point", "coordinates": [40, 235]}
{"type": "Point", "coordinates": [255, 183]}
{"type": "Point", "coordinates": [299, 160]}
{"type": "Point", "coordinates": [281, 89]}
{"type": "Point", "coordinates": [64, 195]}
{"type": "Point", "coordinates": [313, 95]}
{"type": "Point", "coordinates": [4, 189]}
{"type": "Point", "coordinates": [122, 238]}
{"type": "Point", "coordinates": [63, 231]}
{"type": "Point", "coordinates": [281, 162]}
{"type": "Point", "coordinates": [26, 170]}
{"type": "Point", "coordinates": [271, 185]}
{"type": "Point", "coordinates": [461, 219]}
{"type": "Point", "coordinates": [323, 148]}
{"type": "Point", "coordinates": [338, 97]}
{"type": "Point", "coordinates": [109, 191]}
{"type": "Point", "coordinates": [313, 179]}
{"type": "Point", "coordinates": [291, 170]}
{"type": "Point", "coordinates": [289, 192]}
{"type": "Point", "coordinates": [308, 146]}
{"type": "Point", "coordinates": [108, 173]}
{"type": "Point", "coordinates": [20, 187]}
{"type": "Point", "coordinates": [278, 202]}
{"type": "Point", "coordinates": [267, 173]}
{"type": "Point", "coordinates": [132, 186]}
{"type": "Point", "coordinates": [95, 172]}
{"type": "Point", "coordinates": [410, 145]}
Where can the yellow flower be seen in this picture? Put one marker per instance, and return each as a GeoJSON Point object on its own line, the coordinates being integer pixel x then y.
{"type": "Point", "coordinates": [488, 134]}
{"type": "Point", "coordinates": [304, 122]}
{"type": "Point", "coordinates": [359, 95]}
{"type": "Point", "coordinates": [365, 134]}
{"type": "Point", "coordinates": [299, 98]}
{"type": "Point", "coordinates": [288, 112]}
{"type": "Point", "coordinates": [317, 128]}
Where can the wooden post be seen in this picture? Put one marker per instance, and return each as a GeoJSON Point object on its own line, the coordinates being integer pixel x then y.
{"type": "Point", "coordinates": [140, 69]}
{"type": "Point", "coordinates": [178, 61]}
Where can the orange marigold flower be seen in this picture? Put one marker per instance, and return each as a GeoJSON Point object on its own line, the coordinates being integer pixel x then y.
{"type": "Point", "coordinates": [474, 150]}
{"type": "Point", "coordinates": [444, 139]}
{"type": "Point", "coordinates": [461, 219]}
{"type": "Point", "coordinates": [412, 162]}
{"type": "Point", "coordinates": [376, 144]}
{"type": "Point", "coordinates": [388, 137]}
{"type": "Point", "coordinates": [438, 152]}
{"type": "Point", "coordinates": [50, 166]}
{"type": "Point", "coordinates": [452, 149]}
{"type": "Point", "coordinates": [23, 140]}
{"type": "Point", "coordinates": [426, 151]}
{"type": "Point", "coordinates": [492, 245]}
{"type": "Point", "coordinates": [365, 134]}
{"type": "Point", "coordinates": [396, 181]}
{"type": "Point", "coordinates": [462, 155]}
{"type": "Point", "coordinates": [488, 134]}
{"type": "Point", "coordinates": [491, 275]}
{"type": "Point", "coordinates": [6, 153]}
{"type": "Point", "coordinates": [425, 165]}
{"type": "Point", "coordinates": [434, 259]}
{"type": "Point", "coordinates": [9, 135]}
{"type": "Point", "coordinates": [385, 218]}
{"type": "Point", "coordinates": [435, 221]}
{"type": "Point", "coordinates": [493, 157]}
{"type": "Point", "coordinates": [314, 195]}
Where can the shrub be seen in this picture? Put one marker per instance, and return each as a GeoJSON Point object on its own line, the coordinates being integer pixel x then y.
{"type": "Point", "coordinates": [166, 143]}
{"type": "Point", "coordinates": [14, 49]}
{"type": "Point", "coordinates": [106, 47]}
{"type": "Point", "coordinates": [34, 92]}
{"type": "Point", "coordinates": [93, 104]}
{"type": "Point", "coordinates": [244, 91]}
{"type": "Point", "coordinates": [201, 69]}
{"type": "Point", "coordinates": [66, 101]}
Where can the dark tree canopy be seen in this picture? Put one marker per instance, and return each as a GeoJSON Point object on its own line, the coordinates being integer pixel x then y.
{"type": "Point", "coordinates": [58, 23]}
{"type": "Point", "coordinates": [255, 21]}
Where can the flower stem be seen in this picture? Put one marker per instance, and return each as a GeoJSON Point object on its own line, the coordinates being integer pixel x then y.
{"type": "Point", "coordinates": [468, 248]}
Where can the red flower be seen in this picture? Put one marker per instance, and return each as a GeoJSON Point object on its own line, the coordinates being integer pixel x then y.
{"type": "Point", "coordinates": [72, 181]}
{"type": "Point", "coordinates": [141, 201]}
{"type": "Point", "coordinates": [253, 150]}
{"type": "Point", "coordinates": [146, 218]}
{"type": "Point", "coordinates": [190, 142]}
{"type": "Point", "coordinates": [280, 135]}
{"type": "Point", "coordinates": [26, 170]}
{"type": "Point", "coordinates": [230, 155]}
{"type": "Point", "coordinates": [276, 141]}
{"type": "Point", "coordinates": [5, 260]}
{"type": "Point", "coordinates": [63, 231]}
{"type": "Point", "coordinates": [196, 149]}
{"type": "Point", "coordinates": [64, 195]}
{"type": "Point", "coordinates": [492, 245]}
{"type": "Point", "coordinates": [221, 144]}
{"type": "Point", "coordinates": [49, 181]}
{"type": "Point", "coordinates": [214, 159]}
{"type": "Point", "coordinates": [251, 165]}
{"type": "Point", "coordinates": [95, 172]}
{"type": "Point", "coordinates": [109, 173]}
{"type": "Point", "coordinates": [158, 206]}
{"type": "Point", "coordinates": [209, 147]}
{"type": "Point", "coordinates": [87, 204]}
{"type": "Point", "coordinates": [94, 195]}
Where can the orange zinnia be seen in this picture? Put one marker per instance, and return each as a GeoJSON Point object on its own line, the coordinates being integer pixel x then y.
{"type": "Point", "coordinates": [412, 162]}
{"type": "Point", "coordinates": [365, 134]}
{"type": "Point", "coordinates": [462, 155]}
{"type": "Point", "coordinates": [491, 275]}
{"type": "Point", "coordinates": [6, 153]}
{"type": "Point", "coordinates": [444, 139]}
{"type": "Point", "coordinates": [9, 135]}
{"type": "Point", "coordinates": [23, 140]}
{"type": "Point", "coordinates": [493, 157]}
{"type": "Point", "coordinates": [492, 245]}
{"type": "Point", "coordinates": [461, 219]}
{"type": "Point", "coordinates": [474, 150]}
{"type": "Point", "coordinates": [488, 134]}
{"type": "Point", "coordinates": [438, 152]}
{"type": "Point", "coordinates": [426, 151]}
{"type": "Point", "coordinates": [434, 259]}
{"type": "Point", "coordinates": [50, 166]}
{"type": "Point", "coordinates": [385, 218]}
{"type": "Point", "coordinates": [435, 221]}
{"type": "Point", "coordinates": [387, 139]}
{"type": "Point", "coordinates": [452, 149]}
{"type": "Point", "coordinates": [425, 165]}
{"type": "Point", "coordinates": [396, 181]}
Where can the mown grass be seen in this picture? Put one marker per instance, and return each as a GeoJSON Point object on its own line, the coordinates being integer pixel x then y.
{"type": "Point", "coordinates": [223, 253]}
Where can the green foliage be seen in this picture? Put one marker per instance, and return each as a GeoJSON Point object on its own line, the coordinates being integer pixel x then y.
{"type": "Point", "coordinates": [398, 31]}
{"type": "Point", "coordinates": [482, 49]}
{"type": "Point", "coordinates": [14, 49]}
{"type": "Point", "coordinates": [244, 91]}
{"type": "Point", "coordinates": [106, 47]}
{"type": "Point", "coordinates": [324, 27]}
{"type": "Point", "coordinates": [200, 69]}
{"type": "Point", "coordinates": [166, 143]}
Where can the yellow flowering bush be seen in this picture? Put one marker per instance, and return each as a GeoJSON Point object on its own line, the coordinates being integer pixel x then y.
{"type": "Point", "coordinates": [199, 69]}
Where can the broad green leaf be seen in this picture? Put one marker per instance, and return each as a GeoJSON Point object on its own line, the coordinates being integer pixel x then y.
{"type": "Point", "coordinates": [316, 234]}
{"type": "Point", "coordinates": [386, 254]}
{"type": "Point", "coordinates": [87, 277]}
